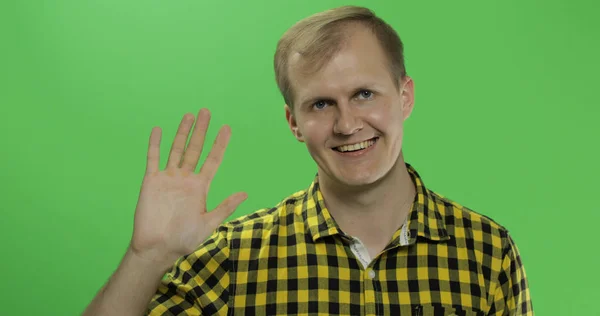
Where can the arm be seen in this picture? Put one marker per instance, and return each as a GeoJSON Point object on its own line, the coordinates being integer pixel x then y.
{"type": "Point", "coordinates": [171, 218]}
{"type": "Point", "coordinates": [198, 284]}
{"type": "Point", "coordinates": [512, 295]}
{"type": "Point", "coordinates": [118, 297]}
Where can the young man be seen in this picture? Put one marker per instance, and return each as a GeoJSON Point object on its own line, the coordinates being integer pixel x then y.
{"type": "Point", "coordinates": [365, 238]}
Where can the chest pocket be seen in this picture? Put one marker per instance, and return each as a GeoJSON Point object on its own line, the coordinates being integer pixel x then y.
{"type": "Point", "coordinates": [444, 310]}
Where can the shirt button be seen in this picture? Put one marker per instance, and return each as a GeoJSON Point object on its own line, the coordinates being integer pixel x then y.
{"type": "Point", "coordinates": [371, 274]}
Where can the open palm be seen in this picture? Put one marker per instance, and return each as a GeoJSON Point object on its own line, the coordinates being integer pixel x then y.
{"type": "Point", "coordinates": [171, 218]}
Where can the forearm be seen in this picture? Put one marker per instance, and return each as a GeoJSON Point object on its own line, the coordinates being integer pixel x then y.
{"type": "Point", "coordinates": [130, 288]}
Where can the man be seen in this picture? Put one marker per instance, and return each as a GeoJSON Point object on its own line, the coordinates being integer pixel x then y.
{"type": "Point", "coordinates": [365, 238]}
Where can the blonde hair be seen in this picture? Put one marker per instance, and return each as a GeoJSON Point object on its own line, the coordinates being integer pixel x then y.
{"type": "Point", "coordinates": [318, 37]}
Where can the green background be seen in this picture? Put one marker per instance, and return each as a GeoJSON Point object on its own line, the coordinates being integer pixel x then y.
{"type": "Point", "coordinates": [505, 122]}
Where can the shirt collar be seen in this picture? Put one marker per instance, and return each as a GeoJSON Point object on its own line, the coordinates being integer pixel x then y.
{"type": "Point", "coordinates": [424, 218]}
{"type": "Point", "coordinates": [316, 216]}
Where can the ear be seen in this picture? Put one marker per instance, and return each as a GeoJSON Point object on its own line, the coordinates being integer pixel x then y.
{"type": "Point", "coordinates": [291, 120]}
{"type": "Point", "coordinates": [407, 94]}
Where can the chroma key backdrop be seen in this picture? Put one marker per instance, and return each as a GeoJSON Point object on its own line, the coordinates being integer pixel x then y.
{"type": "Point", "coordinates": [506, 122]}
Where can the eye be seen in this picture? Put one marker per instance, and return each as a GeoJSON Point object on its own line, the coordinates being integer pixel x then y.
{"type": "Point", "coordinates": [319, 105]}
{"type": "Point", "coordinates": [365, 94]}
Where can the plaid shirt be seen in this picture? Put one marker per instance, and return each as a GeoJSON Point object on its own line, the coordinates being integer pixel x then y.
{"type": "Point", "coordinates": [294, 259]}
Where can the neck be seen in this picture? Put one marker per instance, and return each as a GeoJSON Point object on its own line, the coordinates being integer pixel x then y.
{"type": "Point", "coordinates": [380, 207]}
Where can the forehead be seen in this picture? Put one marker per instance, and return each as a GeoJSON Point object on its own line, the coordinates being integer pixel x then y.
{"type": "Point", "coordinates": [359, 60]}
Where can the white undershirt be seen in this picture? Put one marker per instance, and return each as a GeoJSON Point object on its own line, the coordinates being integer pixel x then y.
{"type": "Point", "coordinates": [362, 254]}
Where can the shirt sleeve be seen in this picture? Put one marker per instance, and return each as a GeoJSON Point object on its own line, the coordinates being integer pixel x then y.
{"type": "Point", "coordinates": [512, 295]}
{"type": "Point", "coordinates": [197, 284]}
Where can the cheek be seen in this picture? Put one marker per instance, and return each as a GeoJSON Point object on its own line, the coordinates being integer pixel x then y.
{"type": "Point", "coordinates": [314, 131]}
{"type": "Point", "coordinates": [315, 135]}
{"type": "Point", "coordinates": [385, 118]}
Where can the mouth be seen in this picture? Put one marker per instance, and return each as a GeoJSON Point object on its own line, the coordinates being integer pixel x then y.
{"type": "Point", "coordinates": [357, 147]}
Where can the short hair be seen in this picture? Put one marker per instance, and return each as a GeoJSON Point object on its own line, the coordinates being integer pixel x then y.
{"type": "Point", "coordinates": [318, 37]}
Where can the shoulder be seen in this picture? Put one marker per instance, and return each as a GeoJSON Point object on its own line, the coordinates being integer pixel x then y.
{"type": "Point", "coordinates": [455, 213]}
{"type": "Point", "coordinates": [471, 227]}
{"type": "Point", "coordinates": [250, 231]}
{"type": "Point", "coordinates": [266, 219]}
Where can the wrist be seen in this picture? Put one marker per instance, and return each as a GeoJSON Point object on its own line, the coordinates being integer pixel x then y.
{"type": "Point", "coordinates": [151, 261]}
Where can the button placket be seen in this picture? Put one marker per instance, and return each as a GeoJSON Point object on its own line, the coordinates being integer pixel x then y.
{"type": "Point", "coordinates": [360, 252]}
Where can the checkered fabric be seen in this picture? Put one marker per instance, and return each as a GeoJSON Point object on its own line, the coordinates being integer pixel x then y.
{"type": "Point", "coordinates": [293, 259]}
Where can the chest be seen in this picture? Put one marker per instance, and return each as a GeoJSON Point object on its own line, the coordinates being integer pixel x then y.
{"type": "Point", "coordinates": [330, 278]}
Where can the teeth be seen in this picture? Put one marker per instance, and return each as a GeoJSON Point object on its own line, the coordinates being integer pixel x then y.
{"type": "Point", "coordinates": [353, 147]}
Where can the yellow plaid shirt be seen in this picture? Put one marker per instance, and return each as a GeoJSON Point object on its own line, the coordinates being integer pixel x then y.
{"type": "Point", "coordinates": [293, 259]}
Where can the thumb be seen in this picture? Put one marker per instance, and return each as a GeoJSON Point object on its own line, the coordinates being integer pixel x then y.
{"type": "Point", "coordinates": [226, 208]}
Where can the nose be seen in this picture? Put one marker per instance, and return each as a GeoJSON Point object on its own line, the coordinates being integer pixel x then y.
{"type": "Point", "coordinates": [347, 122]}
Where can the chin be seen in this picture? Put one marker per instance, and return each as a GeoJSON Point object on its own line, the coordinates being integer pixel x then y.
{"type": "Point", "coordinates": [359, 178]}
{"type": "Point", "coordinates": [363, 174]}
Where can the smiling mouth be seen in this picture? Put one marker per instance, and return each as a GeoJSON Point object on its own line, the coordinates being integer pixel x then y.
{"type": "Point", "coordinates": [356, 147]}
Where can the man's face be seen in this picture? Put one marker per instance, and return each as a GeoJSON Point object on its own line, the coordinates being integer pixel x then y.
{"type": "Point", "coordinates": [350, 112]}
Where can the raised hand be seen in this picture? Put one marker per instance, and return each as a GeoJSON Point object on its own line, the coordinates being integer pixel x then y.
{"type": "Point", "coordinates": [171, 219]}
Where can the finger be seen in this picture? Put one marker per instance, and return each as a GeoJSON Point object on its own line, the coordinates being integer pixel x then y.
{"type": "Point", "coordinates": [225, 209]}
{"type": "Point", "coordinates": [194, 148]}
{"type": "Point", "coordinates": [178, 146]}
{"type": "Point", "coordinates": [215, 157]}
{"type": "Point", "coordinates": [152, 164]}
